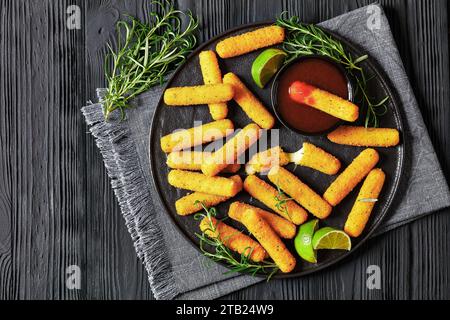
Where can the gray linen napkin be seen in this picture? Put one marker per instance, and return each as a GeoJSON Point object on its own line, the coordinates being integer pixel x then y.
{"type": "Point", "coordinates": [175, 269]}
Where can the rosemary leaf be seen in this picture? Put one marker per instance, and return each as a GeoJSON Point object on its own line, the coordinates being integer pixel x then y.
{"type": "Point", "coordinates": [145, 53]}
{"type": "Point", "coordinates": [220, 253]}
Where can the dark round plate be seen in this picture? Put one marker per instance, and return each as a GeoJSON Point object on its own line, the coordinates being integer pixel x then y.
{"type": "Point", "coordinates": [167, 119]}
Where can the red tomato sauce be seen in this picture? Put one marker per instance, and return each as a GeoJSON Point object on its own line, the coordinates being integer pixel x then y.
{"type": "Point", "coordinates": [319, 73]}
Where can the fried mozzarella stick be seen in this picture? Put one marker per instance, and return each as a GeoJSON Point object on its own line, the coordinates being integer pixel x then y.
{"type": "Point", "coordinates": [193, 202]}
{"type": "Point", "coordinates": [308, 156]}
{"type": "Point", "coordinates": [316, 158]}
{"type": "Point", "coordinates": [284, 228]}
{"type": "Point", "coordinates": [351, 176]}
{"type": "Point", "coordinates": [268, 195]}
{"type": "Point", "coordinates": [324, 101]}
{"type": "Point", "coordinates": [196, 181]}
{"type": "Point", "coordinates": [231, 150]}
{"type": "Point", "coordinates": [249, 103]}
{"type": "Point", "coordinates": [192, 160]}
{"type": "Point", "coordinates": [267, 237]}
{"type": "Point", "coordinates": [300, 192]}
{"type": "Point", "coordinates": [367, 197]}
{"type": "Point", "coordinates": [365, 137]}
{"type": "Point", "coordinates": [212, 75]}
{"type": "Point", "coordinates": [232, 238]}
{"type": "Point", "coordinates": [250, 41]}
{"type": "Point", "coordinates": [195, 136]}
{"type": "Point", "coordinates": [206, 94]}
{"type": "Point", "coordinates": [263, 161]}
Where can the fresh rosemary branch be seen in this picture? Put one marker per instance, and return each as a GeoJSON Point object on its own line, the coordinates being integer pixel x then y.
{"type": "Point", "coordinates": [282, 200]}
{"type": "Point", "coordinates": [223, 254]}
{"type": "Point", "coordinates": [308, 39]}
{"type": "Point", "coordinates": [145, 54]}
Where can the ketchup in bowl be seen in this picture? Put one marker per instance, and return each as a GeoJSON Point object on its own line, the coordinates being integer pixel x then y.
{"type": "Point", "coordinates": [316, 71]}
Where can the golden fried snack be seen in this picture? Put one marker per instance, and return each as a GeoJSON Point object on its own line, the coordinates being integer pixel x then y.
{"type": "Point", "coordinates": [316, 158]}
{"type": "Point", "coordinates": [367, 197]}
{"type": "Point", "coordinates": [212, 75]}
{"type": "Point", "coordinates": [268, 195]}
{"type": "Point", "coordinates": [284, 228]}
{"type": "Point", "coordinates": [300, 192]}
{"type": "Point", "coordinates": [192, 160]}
{"type": "Point", "coordinates": [206, 94]}
{"type": "Point", "coordinates": [232, 238]}
{"type": "Point", "coordinates": [263, 161]}
{"type": "Point", "coordinates": [250, 41]}
{"type": "Point", "coordinates": [267, 237]}
{"type": "Point", "coordinates": [365, 137]}
{"type": "Point", "coordinates": [351, 176]}
{"type": "Point", "coordinates": [193, 202]}
{"type": "Point", "coordinates": [196, 181]}
{"type": "Point", "coordinates": [324, 101]}
{"type": "Point", "coordinates": [251, 105]}
{"type": "Point", "coordinates": [195, 136]}
{"type": "Point", "coordinates": [231, 150]}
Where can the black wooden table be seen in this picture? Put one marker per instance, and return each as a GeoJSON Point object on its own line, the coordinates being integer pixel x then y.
{"type": "Point", "coordinates": [57, 207]}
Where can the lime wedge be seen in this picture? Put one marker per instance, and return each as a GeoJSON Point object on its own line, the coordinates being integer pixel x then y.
{"type": "Point", "coordinates": [329, 238]}
{"type": "Point", "coordinates": [303, 241]}
{"type": "Point", "coordinates": [266, 65]}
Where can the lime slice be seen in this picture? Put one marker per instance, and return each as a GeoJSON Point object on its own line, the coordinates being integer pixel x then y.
{"type": "Point", "coordinates": [303, 241]}
{"type": "Point", "coordinates": [329, 238]}
{"type": "Point", "coordinates": [266, 65]}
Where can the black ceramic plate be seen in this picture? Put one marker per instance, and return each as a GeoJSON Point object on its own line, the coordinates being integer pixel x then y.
{"type": "Point", "coordinates": [167, 119]}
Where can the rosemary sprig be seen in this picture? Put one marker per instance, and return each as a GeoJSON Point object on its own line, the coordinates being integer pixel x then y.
{"type": "Point", "coordinates": [282, 200]}
{"type": "Point", "coordinates": [308, 39]}
{"type": "Point", "coordinates": [221, 253]}
{"type": "Point", "coordinates": [145, 54]}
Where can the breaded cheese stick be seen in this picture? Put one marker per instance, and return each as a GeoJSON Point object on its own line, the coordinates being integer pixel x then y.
{"type": "Point", "coordinates": [316, 158]}
{"type": "Point", "coordinates": [251, 105]}
{"type": "Point", "coordinates": [231, 150]}
{"type": "Point", "coordinates": [263, 161]}
{"type": "Point", "coordinates": [324, 101]}
{"type": "Point", "coordinates": [212, 75]}
{"type": "Point", "coordinates": [196, 181]}
{"type": "Point", "coordinates": [365, 137]}
{"type": "Point", "coordinates": [193, 202]}
{"type": "Point", "coordinates": [268, 195]}
{"type": "Point", "coordinates": [232, 238]}
{"type": "Point", "coordinates": [300, 192]}
{"type": "Point", "coordinates": [205, 94]}
{"type": "Point", "coordinates": [195, 136]}
{"type": "Point", "coordinates": [284, 228]}
{"type": "Point", "coordinates": [367, 197]}
{"type": "Point", "coordinates": [192, 160]}
{"type": "Point", "coordinates": [250, 41]}
{"type": "Point", "coordinates": [267, 237]}
{"type": "Point", "coordinates": [351, 176]}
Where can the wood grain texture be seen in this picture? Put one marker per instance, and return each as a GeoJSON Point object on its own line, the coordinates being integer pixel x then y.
{"type": "Point", "coordinates": [56, 204]}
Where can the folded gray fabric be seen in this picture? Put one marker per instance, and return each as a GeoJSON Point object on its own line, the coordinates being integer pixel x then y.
{"type": "Point", "coordinates": [175, 269]}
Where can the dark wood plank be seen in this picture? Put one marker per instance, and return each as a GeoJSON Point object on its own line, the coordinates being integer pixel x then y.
{"type": "Point", "coordinates": [113, 269]}
{"type": "Point", "coordinates": [42, 183]}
